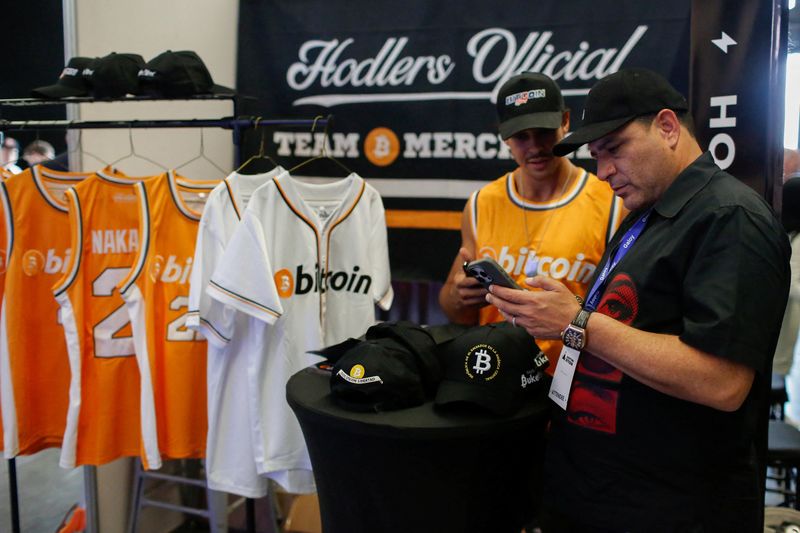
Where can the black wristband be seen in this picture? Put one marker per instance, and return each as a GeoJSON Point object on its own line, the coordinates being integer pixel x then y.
{"type": "Point", "coordinates": [582, 318]}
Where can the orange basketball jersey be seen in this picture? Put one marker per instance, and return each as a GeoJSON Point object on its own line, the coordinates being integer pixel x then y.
{"type": "Point", "coordinates": [104, 419]}
{"type": "Point", "coordinates": [157, 294]}
{"type": "Point", "coordinates": [34, 366]}
{"type": "Point", "coordinates": [563, 239]}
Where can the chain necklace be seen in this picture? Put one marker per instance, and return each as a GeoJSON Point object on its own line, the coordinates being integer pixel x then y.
{"type": "Point", "coordinates": [531, 266]}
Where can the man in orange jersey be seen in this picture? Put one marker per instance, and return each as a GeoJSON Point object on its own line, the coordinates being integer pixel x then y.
{"type": "Point", "coordinates": [546, 217]}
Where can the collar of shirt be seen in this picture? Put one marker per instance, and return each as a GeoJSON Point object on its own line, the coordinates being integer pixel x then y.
{"type": "Point", "coordinates": [686, 186]}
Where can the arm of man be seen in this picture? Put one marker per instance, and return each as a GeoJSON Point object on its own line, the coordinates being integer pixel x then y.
{"type": "Point", "coordinates": [461, 296]}
{"type": "Point", "coordinates": [669, 365]}
{"type": "Point", "coordinates": [660, 361]}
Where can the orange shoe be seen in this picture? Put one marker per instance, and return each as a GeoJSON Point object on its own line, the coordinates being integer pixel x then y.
{"type": "Point", "coordinates": [74, 521]}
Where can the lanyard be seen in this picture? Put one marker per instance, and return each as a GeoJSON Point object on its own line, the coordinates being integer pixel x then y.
{"type": "Point", "coordinates": [627, 243]}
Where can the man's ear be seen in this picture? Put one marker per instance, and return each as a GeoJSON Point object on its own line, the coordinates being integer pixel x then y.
{"type": "Point", "coordinates": [669, 126]}
{"type": "Point", "coordinates": [565, 120]}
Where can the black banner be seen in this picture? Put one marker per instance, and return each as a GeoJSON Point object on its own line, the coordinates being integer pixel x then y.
{"type": "Point", "coordinates": [412, 87]}
{"type": "Point", "coordinates": [33, 56]}
{"type": "Point", "coordinates": [737, 81]}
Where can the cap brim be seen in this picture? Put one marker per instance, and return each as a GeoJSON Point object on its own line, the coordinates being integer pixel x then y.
{"type": "Point", "coordinates": [454, 392]}
{"type": "Point", "coordinates": [548, 120]}
{"type": "Point", "coordinates": [587, 134]}
{"type": "Point", "coordinates": [57, 91]}
{"type": "Point", "coordinates": [221, 89]}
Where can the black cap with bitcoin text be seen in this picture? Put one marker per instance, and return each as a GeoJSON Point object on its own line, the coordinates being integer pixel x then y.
{"type": "Point", "coordinates": [394, 367]}
{"type": "Point", "coordinates": [114, 75]}
{"type": "Point", "coordinates": [495, 367]}
{"type": "Point", "coordinates": [529, 100]}
{"type": "Point", "coordinates": [178, 75]}
{"type": "Point", "coordinates": [70, 83]}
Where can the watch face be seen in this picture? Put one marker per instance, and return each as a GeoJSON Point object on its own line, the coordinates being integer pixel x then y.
{"type": "Point", "coordinates": [574, 337]}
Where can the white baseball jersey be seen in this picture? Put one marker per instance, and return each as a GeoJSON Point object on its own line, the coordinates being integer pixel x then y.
{"type": "Point", "coordinates": [230, 460]}
{"type": "Point", "coordinates": [308, 263]}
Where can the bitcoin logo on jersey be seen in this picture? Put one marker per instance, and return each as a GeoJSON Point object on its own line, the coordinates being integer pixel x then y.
{"type": "Point", "coordinates": [156, 266]}
{"type": "Point", "coordinates": [482, 362]}
{"type": "Point", "coordinates": [284, 283]}
{"type": "Point", "coordinates": [32, 262]}
{"type": "Point", "coordinates": [171, 269]}
{"type": "Point", "coordinates": [303, 281]}
{"type": "Point", "coordinates": [381, 147]}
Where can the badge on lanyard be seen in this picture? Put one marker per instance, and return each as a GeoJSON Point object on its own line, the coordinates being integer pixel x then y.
{"type": "Point", "coordinates": [562, 377]}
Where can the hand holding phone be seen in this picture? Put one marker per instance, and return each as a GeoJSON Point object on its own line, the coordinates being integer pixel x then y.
{"type": "Point", "coordinates": [488, 272]}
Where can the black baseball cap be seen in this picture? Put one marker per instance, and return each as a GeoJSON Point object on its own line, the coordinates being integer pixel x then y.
{"type": "Point", "coordinates": [529, 100]}
{"type": "Point", "coordinates": [419, 343]}
{"type": "Point", "coordinates": [114, 75]}
{"type": "Point", "coordinates": [178, 74]}
{"type": "Point", "coordinates": [376, 375]}
{"type": "Point", "coordinates": [618, 99]}
{"type": "Point", "coordinates": [70, 83]}
{"type": "Point", "coordinates": [496, 367]}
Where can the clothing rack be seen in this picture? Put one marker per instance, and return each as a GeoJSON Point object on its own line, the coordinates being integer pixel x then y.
{"type": "Point", "coordinates": [238, 125]}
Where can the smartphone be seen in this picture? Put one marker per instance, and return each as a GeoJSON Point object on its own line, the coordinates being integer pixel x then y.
{"type": "Point", "coordinates": [488, 272]}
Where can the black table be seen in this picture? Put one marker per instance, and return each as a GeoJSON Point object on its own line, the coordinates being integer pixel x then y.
{"type": "Point", "coordinates": [419, 470]}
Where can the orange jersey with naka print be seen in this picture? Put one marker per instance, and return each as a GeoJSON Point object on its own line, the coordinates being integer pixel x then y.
{"type": "Point", "coordinates": [34, 365]}
{"type": "Point", "coordinates": [108, 417]}
{"type": "Point", "coordinates": [157, 295]}
{"type": "Point", "coordinates": [563, 239]}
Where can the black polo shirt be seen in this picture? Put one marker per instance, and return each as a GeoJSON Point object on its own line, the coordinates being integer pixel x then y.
{"type": "Point", "coordinates": [712, 267]}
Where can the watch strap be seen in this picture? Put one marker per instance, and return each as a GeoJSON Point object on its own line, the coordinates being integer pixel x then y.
{"type": "Point", "coordinates": [581, 319]}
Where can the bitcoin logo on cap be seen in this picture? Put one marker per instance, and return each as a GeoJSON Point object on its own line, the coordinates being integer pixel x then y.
{"type": "Point", "coordinates": [357, 372]}
{"type": "Point", "coordinates": [482, 362]}
{"type": "Point", "coordinates": [381, 147]}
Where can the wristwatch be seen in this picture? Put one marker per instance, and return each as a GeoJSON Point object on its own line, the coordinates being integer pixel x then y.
{"type": "Point", "coordinates": [574, 335]}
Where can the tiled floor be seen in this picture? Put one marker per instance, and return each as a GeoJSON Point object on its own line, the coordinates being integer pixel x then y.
{"type": "Point", "coordinates": [791, 413]}
{"type": "Point", "coordinates": [793, 389]}
{"type": "Point", "coordinates": [46, 491]}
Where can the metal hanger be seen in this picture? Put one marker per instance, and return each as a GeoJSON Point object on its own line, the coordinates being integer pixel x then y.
{"type": "Point", "coordinates": [262, 154]}
{"type": "Point", "coordinates": [323, 152]}
{"type": "Point", "coordinates": [78, 149]}
{"type": "Point", "coordinates": [133, 153]}
{"type": "Point", "coordinates": [202, 155]}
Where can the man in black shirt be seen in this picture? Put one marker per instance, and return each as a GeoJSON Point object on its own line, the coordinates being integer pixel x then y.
{"type": "Point", "coordinates": [665, 374]}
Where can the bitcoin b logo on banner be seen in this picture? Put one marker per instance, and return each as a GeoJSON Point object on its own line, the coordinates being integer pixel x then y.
{"type": "Point", "coordinates": [381, 147]}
